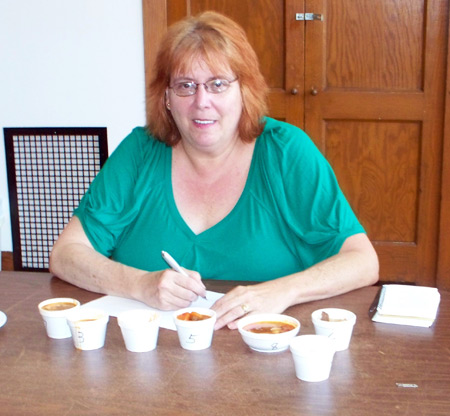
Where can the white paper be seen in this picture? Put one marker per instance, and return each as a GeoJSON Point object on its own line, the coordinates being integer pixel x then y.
{"type": "Point", "coordinates": [407, 305]}
{"type": "Point", "coordinates": [114, 305]}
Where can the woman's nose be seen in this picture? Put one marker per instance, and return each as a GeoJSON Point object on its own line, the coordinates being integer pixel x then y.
{"type": "Point", "coordinates": [202, 97]}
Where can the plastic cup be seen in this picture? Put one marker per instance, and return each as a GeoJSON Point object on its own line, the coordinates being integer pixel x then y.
{"type": "Point", "coordinates": [140, 329]}
{"type": "Point", "coordinates": [195, 335]}
{"type": "Point", "coordinates": [339, 327]}
{"type": "Point", "coordinates": [313, 357]}
{"type": "Point", "coordinates": [88, 327]}
{"type": "Point", "coordinates": [54, 312]}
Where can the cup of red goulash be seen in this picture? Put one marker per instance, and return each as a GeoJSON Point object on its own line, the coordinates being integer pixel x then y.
{"type": "Point", "coordinates": [195, 327]}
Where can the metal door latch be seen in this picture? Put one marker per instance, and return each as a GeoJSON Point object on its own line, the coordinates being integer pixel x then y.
{"type": "Point", "coordinates": [308, 16]}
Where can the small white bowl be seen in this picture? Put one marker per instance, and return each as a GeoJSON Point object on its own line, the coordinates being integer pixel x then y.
{"type": "Point", "coordinates": [268, 342]}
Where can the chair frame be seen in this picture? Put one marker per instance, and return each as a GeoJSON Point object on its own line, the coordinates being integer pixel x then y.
{"type": "Point", "coordinates": [67, 144]}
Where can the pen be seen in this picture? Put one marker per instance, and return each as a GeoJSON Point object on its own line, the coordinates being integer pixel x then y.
{"type": "Point", "coordinates": [174, 265]}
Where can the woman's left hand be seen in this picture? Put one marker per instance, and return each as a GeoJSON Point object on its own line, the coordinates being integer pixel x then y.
{"type": "Point", "coordinates": [267, 297]}
{"type": "Point", "coordinates": [355, 266]}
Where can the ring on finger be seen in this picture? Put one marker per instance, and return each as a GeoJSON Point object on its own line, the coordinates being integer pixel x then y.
{"type": "Point", "coordinates": [245, 308]}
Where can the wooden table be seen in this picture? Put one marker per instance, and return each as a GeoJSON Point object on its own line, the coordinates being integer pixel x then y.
{"type": "Point", "coordinates": [41, 376]}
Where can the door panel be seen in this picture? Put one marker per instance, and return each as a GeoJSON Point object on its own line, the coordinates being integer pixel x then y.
{"type": "Point", "coordinates": [373, 104]}
{"type": "Point", "coordinates": [390, 171]}
{"type": "Point", "coordinates": [374, 45]}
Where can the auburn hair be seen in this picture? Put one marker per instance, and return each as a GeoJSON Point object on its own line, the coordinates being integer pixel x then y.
{"type": "Point", "coordinates": [218, 41]}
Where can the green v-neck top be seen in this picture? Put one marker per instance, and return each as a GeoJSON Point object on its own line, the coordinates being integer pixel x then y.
{"type": "Point", "coordinates": [291, 214]}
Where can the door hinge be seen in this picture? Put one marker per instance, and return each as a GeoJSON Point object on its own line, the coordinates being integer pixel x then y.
{"type": "Point", "coordinates": [308, 16]}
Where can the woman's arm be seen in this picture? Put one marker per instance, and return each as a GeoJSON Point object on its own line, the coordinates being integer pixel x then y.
{"type": "Point", "coordinates": [355, 266]}
{"type": "Point", "coordinates": [74, 259]}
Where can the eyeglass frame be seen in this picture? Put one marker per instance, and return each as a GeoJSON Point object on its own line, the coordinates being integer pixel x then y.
{"type": "Point", "coordinates": [197, 84]}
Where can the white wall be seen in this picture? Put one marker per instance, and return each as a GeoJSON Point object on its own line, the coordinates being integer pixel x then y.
{"type": "Point", "coordinates": [69, 63]}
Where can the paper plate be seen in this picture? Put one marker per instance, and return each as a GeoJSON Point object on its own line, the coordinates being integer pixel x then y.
{"type": "Point", "coordinates": [3, 319]}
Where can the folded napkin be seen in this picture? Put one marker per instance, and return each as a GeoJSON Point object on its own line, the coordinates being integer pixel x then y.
{"type": "Point", "coordinates": [407, 305]}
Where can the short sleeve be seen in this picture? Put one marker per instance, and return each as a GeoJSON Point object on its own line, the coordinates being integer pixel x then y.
{"type": "Point", "coordinates": [113, 199]}
{"type": "Point", "coordinates": [309, 197]}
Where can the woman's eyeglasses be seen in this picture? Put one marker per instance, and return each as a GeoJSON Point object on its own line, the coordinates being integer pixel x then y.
{"type": "Point", "coordinates": [213, 86]}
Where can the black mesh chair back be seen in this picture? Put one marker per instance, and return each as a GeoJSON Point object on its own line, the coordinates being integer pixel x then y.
{"type": "Point", "coordinates": [49, 170]}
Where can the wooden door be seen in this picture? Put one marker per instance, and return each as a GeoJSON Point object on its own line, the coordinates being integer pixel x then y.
{"type": "Point", "coordinates": [367, 84]}
{"type": "Point", "coordinates": [374, 104]}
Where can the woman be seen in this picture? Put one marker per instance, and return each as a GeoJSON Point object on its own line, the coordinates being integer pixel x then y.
{"type": "Point", "coordinates": [231, 194]}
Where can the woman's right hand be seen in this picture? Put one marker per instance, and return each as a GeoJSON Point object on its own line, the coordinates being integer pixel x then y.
{"type": "Point", "coordinates": [170, 290]}
{"type": "Point", "coordinates": [74, 260]}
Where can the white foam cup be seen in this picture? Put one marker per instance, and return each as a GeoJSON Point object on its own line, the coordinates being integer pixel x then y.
{"type": "Point", "coordinates": [339, 328]}
{"type": "Point", "coordinates": [88, 327]}
{"type": "Point", "coordinates": [55, 318]}
{"type": "Point", "coordinates": [140, 329]}
{"type": "Point", "coordinates": [313, 357]}
{"type": "Point", "coordinates": [195, 335]}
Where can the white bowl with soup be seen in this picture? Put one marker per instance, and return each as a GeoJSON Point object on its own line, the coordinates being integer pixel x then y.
{"type": "Point", "coordinates": [268, 332]}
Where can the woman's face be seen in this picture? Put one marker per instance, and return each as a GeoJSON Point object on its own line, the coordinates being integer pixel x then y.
{"type": "Point", "coordinates": [206, 121]}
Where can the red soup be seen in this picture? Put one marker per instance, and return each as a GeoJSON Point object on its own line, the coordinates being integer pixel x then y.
{"type": "Point", "coordinates": [269, 327]}
{"type": "Point", "coordinates": [192, 316]}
